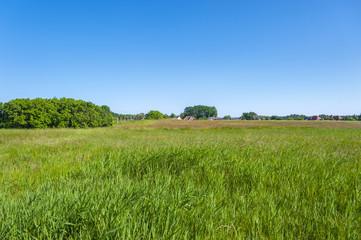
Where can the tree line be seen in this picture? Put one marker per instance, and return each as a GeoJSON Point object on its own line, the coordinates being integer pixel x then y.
{"type": "Point", "coordinates": [53, 113]}
{"type": "Point", "coordinates": [200, 112]}
{"type": "Point", "coordinates": [255, 116]}
{"type": "Point", "coordinates": [71, 113]}
{"type": "Point", "coordinates": [139, 116]}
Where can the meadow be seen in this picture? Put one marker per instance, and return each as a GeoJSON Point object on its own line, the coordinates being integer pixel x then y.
{"type": "Point", "coordinates": [183, 180]}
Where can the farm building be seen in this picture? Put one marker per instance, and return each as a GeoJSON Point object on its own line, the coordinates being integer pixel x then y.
{"type": "Point", "coordinates": [188, 118]}
{"type": "Point", "coordinates": [314, 118]}
{"type": "Point", "coordinates": [178, 118]}
{"type": "Point", "coordinates": [336, 117]}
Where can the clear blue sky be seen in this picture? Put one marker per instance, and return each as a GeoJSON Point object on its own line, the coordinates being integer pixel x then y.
{"type": "Point", "coordinates": [271, 57]}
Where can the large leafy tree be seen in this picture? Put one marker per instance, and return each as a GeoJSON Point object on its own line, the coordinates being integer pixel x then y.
{"type": "Point", "coordinates": [200, 111]}
{"type": "Point", "coordinates": [53, 113]}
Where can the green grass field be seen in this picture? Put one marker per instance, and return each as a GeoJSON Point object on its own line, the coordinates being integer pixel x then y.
{"type": "Point", "coordinates": [145, 180]}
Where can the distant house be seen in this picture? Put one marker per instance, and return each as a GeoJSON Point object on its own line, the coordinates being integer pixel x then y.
{"type": "Point", "coordinates": [337, 117]}
{"type": "Point", "coordinates": [188, 118]}
{"type": "Point", "coordinates": [214, 118]}
{"type": "Point", "coordinates": [178, 118]}
{"type": "Point", "coordinates": [315, 118]}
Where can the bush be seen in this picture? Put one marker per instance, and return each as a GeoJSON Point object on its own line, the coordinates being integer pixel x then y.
{"type": "Point", "coordinates": [53, 113]}
{"type": "Point", "coordinates": [153, 114]}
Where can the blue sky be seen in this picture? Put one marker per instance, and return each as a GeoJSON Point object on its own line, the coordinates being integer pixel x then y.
{"type": "Point", "coordinates": [271, 57]}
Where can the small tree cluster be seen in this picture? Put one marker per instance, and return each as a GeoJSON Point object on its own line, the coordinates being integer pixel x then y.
{"type": "Point", "coordinates": [139, 116]}
{"type": "Point", "coordinates": [254, 116]}
{"type": "Point", "coordinates": [153, 114]}
{"type": "Point", "coordinates": [249, 116]}
{"type": "Point", "coordinates": [53, 113]}
{"type": "Point", "coordinates": [200, 112]}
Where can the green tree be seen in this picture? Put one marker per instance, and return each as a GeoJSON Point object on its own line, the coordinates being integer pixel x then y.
{"type": "Point", "coordinates": [248, 116]}
{"type": "Point", "coordinates": [106, 108]}
{"type": "Point", "coordinates": [172, 115]}
{"type": "Point", "coordinates": [349, 118]}
{"type": "Point", "coordinates": [227, 117]}
{"type": "Point", "coordinates": [200, 111]}
{"type": "Point", "coordinates": [1, 115]}
{"type": "Point", "coordinates": [139, 116]}
{"type": "Point", "coordinates": [274, 117]}
{"type": "Point", "coordinates": [153, 114]}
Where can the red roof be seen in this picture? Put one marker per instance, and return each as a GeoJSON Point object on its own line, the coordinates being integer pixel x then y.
{"type": "Point", "coordinates": [337, 117]}
{"type": "Point", "coordinates": [314, 118]}
{"type": "Point", "coordinates": [189, 118]}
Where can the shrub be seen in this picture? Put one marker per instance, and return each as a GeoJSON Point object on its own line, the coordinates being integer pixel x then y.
{"type": "Point", "coordinates": [53, 113]}
{"type": "Point", "coordinates": [153, 114]}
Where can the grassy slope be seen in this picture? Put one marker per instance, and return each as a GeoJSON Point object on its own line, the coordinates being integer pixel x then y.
{"type": "Point", "coordinates": [138, 182]}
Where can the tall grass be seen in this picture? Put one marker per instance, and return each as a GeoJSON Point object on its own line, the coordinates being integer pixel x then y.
{"type": "Point", "coordinates": [147, 183]}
